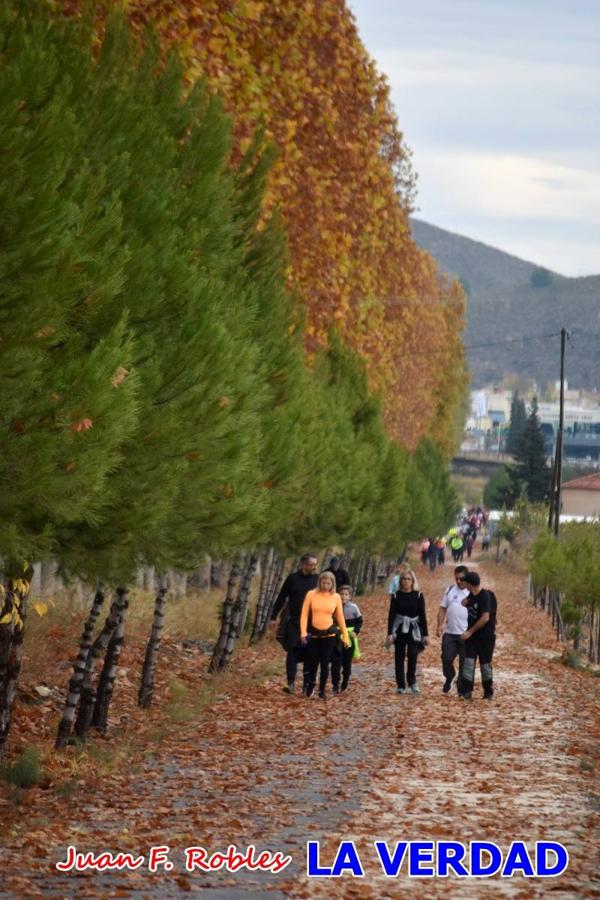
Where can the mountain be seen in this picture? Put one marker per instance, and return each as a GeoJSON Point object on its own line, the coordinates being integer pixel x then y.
{"type": "Point", "coordinates": [503, 304]}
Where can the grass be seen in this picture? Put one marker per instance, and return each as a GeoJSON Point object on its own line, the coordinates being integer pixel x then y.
{"type": "Point", "coordinates": [26, 771]}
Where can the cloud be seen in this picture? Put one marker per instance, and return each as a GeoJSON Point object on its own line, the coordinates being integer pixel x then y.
{"type": "Point", "coordinates": [498, 100]}
{"type": "Point", "coordinates": [504, 185]}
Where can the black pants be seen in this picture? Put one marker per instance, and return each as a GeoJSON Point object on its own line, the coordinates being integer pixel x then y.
{"type": "Point", "coordinates": [319, 653]}
{"type": "Point", "coordinates": [406, 647]}
{"type": "Point", "coordinates": [293, 658]}
{"type": "Point", "coordinates": [453, 646]}
{"type": "Point", "coordinates": [341, 661]}
{"type": "Point", "coordinates": [482, 649]}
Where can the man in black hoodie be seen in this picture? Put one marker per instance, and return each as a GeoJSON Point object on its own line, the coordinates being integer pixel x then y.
{"type": "Point", "coordinates": [291, 596]}
{"type": "Point", "coordinates": [341, 576]}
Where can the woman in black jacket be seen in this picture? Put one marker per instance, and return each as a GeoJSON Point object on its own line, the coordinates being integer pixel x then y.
{"type": "Point", "coordinates": [407, 629]}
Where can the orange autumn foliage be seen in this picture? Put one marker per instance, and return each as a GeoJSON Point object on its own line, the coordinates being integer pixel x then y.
{"type": "Point", "coordinates": [343, 182]}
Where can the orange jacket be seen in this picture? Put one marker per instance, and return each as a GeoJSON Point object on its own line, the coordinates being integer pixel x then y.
{"type": "Point", "coordinates": [324, 608]}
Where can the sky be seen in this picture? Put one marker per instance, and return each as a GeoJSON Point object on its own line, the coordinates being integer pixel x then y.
{"type": "Point", "coordinates": [499, 100]}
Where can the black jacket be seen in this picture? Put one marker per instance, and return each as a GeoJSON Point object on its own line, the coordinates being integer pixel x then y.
{"type": "Point", "coordinates": [341, 578]}
{"type": "Point", "coordinates": [294, 589]}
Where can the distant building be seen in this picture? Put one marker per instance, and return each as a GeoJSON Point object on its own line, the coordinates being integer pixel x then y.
{"type": "Point", "coordinates": [581, 496]}
{"type": "Point", "coordinates": [582, 430]}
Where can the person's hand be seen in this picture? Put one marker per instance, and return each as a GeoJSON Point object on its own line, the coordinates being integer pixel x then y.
{"type": "Point", "coordinates": [465, 636]}
{"type": "Point", "coordinates": [347, 642]}
{"type": "Point", "coordinates": [425, 641]}
{"type": "Point", "coordinates": [304, 641]}
{"type": "Point", "coordinates": [438, 632]}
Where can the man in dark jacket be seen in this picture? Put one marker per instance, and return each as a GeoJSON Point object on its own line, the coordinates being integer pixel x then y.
{"type": "Point", "coordinates": [341, 576]}
{"type": "Point", "coordinates": [291, 596]}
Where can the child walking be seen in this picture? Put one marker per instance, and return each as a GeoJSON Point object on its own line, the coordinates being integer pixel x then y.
{"type": "Point", "coordinates": [343, 656]}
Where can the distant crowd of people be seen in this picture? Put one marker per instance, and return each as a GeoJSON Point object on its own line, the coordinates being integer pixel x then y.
{"type": "Point", "coordinates": [319, 622]}
{"type": "Point", "coordinates": [460, 539]}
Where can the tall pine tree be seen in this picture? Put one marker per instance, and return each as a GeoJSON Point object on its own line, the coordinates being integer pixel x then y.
{"type": "Point", "coordinates": [531, 473]}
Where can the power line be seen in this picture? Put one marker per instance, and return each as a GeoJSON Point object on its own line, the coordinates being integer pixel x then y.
{"type": "Point", "coordinates": [533, 337]}
{"type": "Point", "coordinates": [521, 340]}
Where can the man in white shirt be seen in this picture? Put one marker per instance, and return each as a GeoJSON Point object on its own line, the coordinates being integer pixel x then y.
{"type": "Point", "coordinates": [452, 623]}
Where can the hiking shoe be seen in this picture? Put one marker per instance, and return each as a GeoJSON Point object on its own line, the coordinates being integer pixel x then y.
{"type": "Point", "coordinates": [344, 687]}
{"type": "Point", "coordinates": [322, 695]}
{"type": "Point", "coordinates": [308, 690]}
{"type": "Point", "coordinates": [402, 690]}
{"type": "Point", "coordinates": [289, 688]}
{"type": "Point", "coordinates": [488, 696]}
{"type": "Point", "coordinates": [415, 688]}
{"type": "Point", "coordinates": [467, 697]}
{"type": "Point", "coordinates": [447, 686]}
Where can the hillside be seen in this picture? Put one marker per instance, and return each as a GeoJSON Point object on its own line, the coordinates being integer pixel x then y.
{"type": "Point", "coordinates": [502, 305]}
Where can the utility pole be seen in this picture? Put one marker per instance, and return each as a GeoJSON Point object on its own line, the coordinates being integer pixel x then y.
{"type": "Point", "coordinates": [559, 439]}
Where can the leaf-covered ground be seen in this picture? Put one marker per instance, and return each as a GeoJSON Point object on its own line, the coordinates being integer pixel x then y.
{"type": "Point", "coordinates": [244, 763]}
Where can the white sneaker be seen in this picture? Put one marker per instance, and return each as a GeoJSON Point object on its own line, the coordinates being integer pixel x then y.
{"type": "Point", "coordinates": [415, 689]}
{"type": "Point", "coordinates": [402, 690]}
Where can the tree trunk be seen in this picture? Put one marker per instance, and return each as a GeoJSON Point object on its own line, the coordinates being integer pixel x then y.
{"type": "Point", "coordinates": [240, 607]}
{"type": "Point", "coordinates": [217, 573]}
{"type": "Point", "coordinates": [106, 682]}
{"type": "Point", "coordinates": [49, 583]}
{"type": "Point", "coordinates": [88, 691]}
{"type": "Point", "coordinates": [232, 584]}
{"type": "Point", "coordinates": [268, 564]}
{"type": "Point", "coordinates": [74, 690]}
{"type": "Point", "coordinates": [14, 593]}
{"type": "Point", "coordinates": [152, 647]}
{"type": "Point", "coordinates": [273, 592]}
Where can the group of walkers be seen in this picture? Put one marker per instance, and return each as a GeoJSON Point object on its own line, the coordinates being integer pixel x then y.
{"type": "Point", "coordinates": [320, 622]}
{"type": "Point", "coordinates": [466, 624]}
{"type": "Point", "coordinates": [319, 626]}
{"type": "Point", "coordinates": [460, 539]}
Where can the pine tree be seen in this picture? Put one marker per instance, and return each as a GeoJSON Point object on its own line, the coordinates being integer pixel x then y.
{"type": "Point", "coordinates": [67, 406]}
{"type": "Point", "coordinates": [531, 472]}
{"type": "Point", "coordinates": [518, 419]}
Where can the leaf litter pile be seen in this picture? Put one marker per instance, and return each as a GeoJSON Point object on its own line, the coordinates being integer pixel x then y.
{"type": "Point", "coordinates": [237, 761]}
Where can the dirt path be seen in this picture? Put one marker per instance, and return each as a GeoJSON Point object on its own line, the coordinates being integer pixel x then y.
{"type": "Point", "coordinates": [265, 769]}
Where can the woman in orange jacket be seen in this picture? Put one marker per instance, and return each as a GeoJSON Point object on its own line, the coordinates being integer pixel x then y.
{"type": "Point", "coordinates": [321, 609]}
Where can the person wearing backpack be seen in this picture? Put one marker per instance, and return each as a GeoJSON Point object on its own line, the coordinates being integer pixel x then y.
{"type": "Point", "coordinates": [480, 636]}
{"type": "Point", "coordinates": [451, 624]}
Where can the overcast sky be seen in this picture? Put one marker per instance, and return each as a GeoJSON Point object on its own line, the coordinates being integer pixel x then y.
{"type": "Point", "coordinates": [500, 102]}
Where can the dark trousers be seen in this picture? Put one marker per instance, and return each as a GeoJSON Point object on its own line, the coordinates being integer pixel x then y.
{"type": "Point", "coordinates": [341, 661]}
{"type": "Point", "coordinates": [482, 649]}
{"type": "Point", "coordinates": [453, 646]}
{"type": "Point", "coordinates": [319, 653]}
{"type": "Point", "coordinates": [293, 658]}
{"type": "Point", "coordinates": [432, 562]}
{"type": "Point", "coordinates": [406, 647]}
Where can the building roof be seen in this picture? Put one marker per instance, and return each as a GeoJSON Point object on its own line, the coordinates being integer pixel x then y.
{"type": "Point", "coordinates": [585, 483]}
